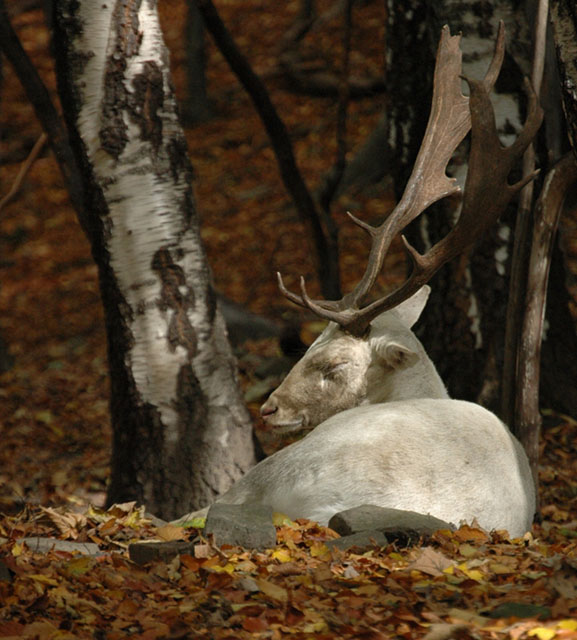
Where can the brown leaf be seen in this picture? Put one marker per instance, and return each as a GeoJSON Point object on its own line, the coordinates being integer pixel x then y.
{"type": "Point", "coordinates": [272, 590]}
{"type": "Point", "coordinates": [445, 631]}
{"type": "Point", "coordinates": [170, 532]}
{"type": "Point", "coordinates": [430, 562]}
{"type": "Point", "coordinates": [465, 533]}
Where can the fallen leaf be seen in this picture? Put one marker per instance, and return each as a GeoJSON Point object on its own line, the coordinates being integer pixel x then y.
{"type": "Point", "coordinates": [272, 590]}
{"type": "Point", "coordinates": [282, 555]}
{"type": "Point", "coordinates": [430, 562]}
{"type": "Point", "coordinates": [446, 631]}
{"type": "Point", "coordinates": [519, 610]}
{"type": "Point", "coordinates": [543, 633]}
{"type": "Point", "coordinates": [170, 532]}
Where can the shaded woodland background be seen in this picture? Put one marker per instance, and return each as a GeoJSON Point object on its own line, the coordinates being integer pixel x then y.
{"type": "Point", "coordinates": [56, 394]}
{"type": "Point", "coordinates": [54, 423]}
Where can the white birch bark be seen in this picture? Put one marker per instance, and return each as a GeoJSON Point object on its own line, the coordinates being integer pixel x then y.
{"type": "Point", "coordinates": [174, 349]}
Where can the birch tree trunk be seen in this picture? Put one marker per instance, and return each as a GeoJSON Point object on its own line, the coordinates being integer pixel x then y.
{"type": "Point", "coordinates": [181, 433]}
{"type": "Point", "coordinates": [463, 329]}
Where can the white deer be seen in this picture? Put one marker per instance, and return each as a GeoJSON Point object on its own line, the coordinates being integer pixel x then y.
{"type": "Point", "coordinates": [388, 433]}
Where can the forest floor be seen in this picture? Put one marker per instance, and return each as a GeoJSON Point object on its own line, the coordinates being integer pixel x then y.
{"type": "Point", "coordinates": [54, 424]}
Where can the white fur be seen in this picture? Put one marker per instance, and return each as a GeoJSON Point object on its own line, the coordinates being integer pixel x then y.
{"type": "Point", "coordinates": [448, 458]}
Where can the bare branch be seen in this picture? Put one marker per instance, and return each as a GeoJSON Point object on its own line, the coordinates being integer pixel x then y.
{"type": "Point", "coordinates": [46, 113]}
{"type": "Point", "coordinates": [547, 213]}
{"type": "Point", "coordinates": [522, 240]}
{"type": "Point", "coordinates": [24, 168]}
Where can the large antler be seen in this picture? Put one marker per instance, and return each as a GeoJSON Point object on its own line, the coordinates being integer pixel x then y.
{"type": "Point", "coordinates": [487, 191]}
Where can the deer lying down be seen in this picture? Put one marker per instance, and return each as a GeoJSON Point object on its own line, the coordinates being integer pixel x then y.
{"type": "Point", "coordinates": [448, 458]}
{"type": "Point", "coordinates": [388, 433]}
{"type": "Point", "coordinates": [451, 459]}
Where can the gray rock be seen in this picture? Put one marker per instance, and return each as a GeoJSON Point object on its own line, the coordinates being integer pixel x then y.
{"type": "Point", "coordinates": [144, 552]}
{"type": "Point", "coordinates": [245, 525]}
{"type": "Point", "coordinates": [399, 525]}
{"type": "Point", "coordinates": [44, 545]}
{"type": "Point", "coordinates": [362, 540]}
{"type": "Point", "coordinates": [157, 522]}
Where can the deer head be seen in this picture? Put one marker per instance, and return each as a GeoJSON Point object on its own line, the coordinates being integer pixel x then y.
{"type": "Point", "coordinates": [368, 353]}
{"type": "Point", "coordinates": [341, 371]}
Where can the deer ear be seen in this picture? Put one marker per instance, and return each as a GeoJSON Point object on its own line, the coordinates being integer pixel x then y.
{"type": "Point", "coordinates": [410, 310]}
{"type": "Point", "coordinates": [396, 355]}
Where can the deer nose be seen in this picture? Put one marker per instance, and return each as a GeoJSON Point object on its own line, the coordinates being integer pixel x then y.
{"type": "Point", "coordinates": [268, 408]}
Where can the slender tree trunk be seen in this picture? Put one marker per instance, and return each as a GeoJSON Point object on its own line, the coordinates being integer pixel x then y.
{"type": "Point", "coordinates": [196, 105]}
{"type": "Point", "coordinates": [181, 434]}
{"type": "Point", "coordinates": [464, 326]}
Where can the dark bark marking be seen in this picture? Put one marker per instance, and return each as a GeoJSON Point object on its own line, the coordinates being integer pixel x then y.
{"type": "Point", "coordinates": [180, 331]}
{"type": "Point", "coordinates": [148, 101]}
{"type": "Point", "coordinates": [114, 136]}
{"type": "Point", "coordinates": [178, 158]}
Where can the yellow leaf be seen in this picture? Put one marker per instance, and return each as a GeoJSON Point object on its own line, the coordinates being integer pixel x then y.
{"type": "Point", "coordinates": [316, 627]}
{"type": "Point", "coordinates": [195, 523]}
{"type": "Point", "coordinates": [227, 568]}
{"type": "Point", "coordinates": [44, 416]}
{"type": "Point", "coordinates": [280, 520]}
{"type": "Point", "coordinates": [17, 549]}
{"type": "Point", "coordinates": [473, 574]}
{"type": "Point", "coordinates": [543, 633]}
{"type": "Point", "coordinates": [78, 566]}
{"type": "Point", "coordinates": [43, 579]}
{"type": "Point", "coordinates": [282, 555]}
{"type": "Point", "coordinates": [132, 520]}
{"type": "Point", "coordinates": [570, 625]}
{"type": "Point", "coordinates": [320, 550]}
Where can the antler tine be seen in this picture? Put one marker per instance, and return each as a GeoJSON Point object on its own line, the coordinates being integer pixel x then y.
{"type": "Point", "coordinates": [449, 122]}
{"type": "Point", "coordinates": [497, 60]}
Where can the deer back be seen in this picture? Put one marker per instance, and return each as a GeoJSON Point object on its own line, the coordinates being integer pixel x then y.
{"type": "Point", "coordinates": [448, 458]}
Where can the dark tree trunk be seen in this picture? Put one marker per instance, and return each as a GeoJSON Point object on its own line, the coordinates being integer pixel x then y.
{"type": "Point", "coordinates": [181, 433]}
{"type": "Point", "coordinates": [463, 328]}
{"type": "Point", "coordinates": [560, 353]}
{"type": "Point", "coordinates": [196, 106]}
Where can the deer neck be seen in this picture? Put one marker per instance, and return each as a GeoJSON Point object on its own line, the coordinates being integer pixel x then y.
{"type": "Point", "coordinates": [420, 380]}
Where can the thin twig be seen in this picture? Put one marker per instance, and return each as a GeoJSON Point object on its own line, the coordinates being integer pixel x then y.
{"type": "Point", "coordinates": [46, 113]}
{"type": "Point", "coordinates": [25, 167]}
{"type": "Point", "coordinates": [547, 213]}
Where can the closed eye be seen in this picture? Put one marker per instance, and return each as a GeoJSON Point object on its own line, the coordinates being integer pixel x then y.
{"type": "Point", "coordinates": [332, 370]}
